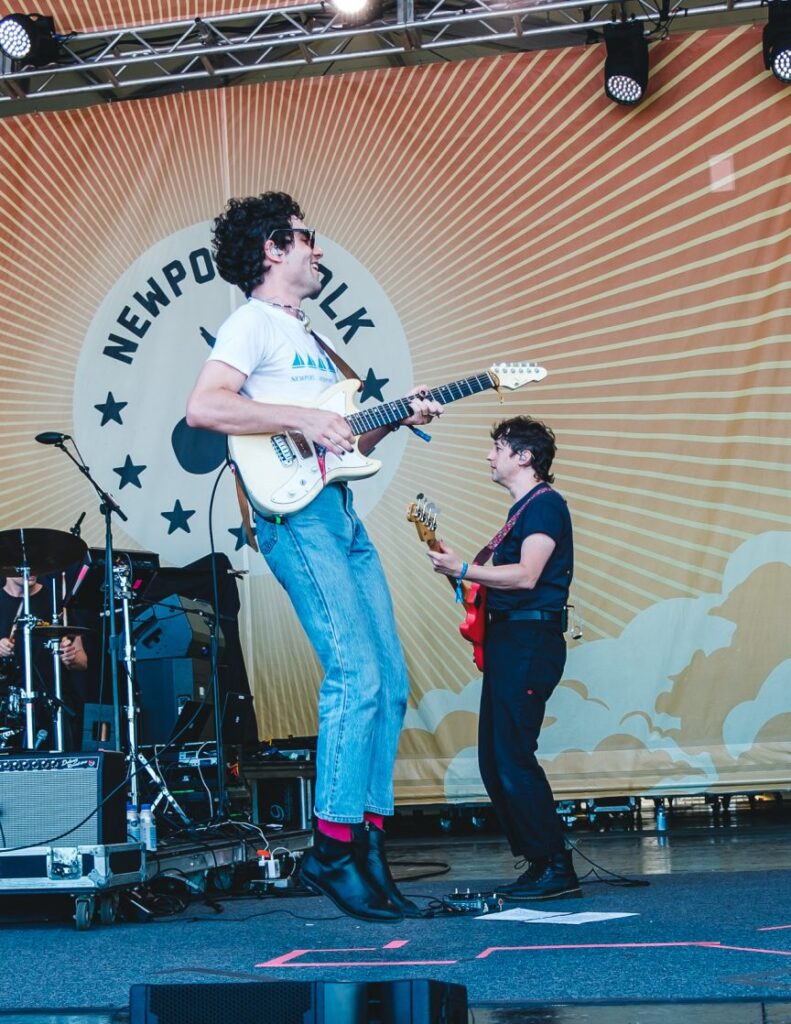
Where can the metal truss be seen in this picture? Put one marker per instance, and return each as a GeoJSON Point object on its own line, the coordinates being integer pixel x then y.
{"type": "Point", "coordinates": [312, 38]}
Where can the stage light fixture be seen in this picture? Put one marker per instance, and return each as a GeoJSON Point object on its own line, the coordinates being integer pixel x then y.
{"type": "Point", "coordinates": [777, 40]}
{"type": "Point", "coordinates": [29, 39]}
{"type": "Point", "coordinates": [626, 65]}
{"type": "Point", "coordinates": [349, 13]}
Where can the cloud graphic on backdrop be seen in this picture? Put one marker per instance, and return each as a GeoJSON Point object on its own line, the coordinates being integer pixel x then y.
{"type": "Point", "coordinates": [667, 672]}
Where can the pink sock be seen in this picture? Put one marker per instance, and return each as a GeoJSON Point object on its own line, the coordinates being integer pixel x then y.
{"type": "Point", "coordinates": [335, 830]}
{"type": "Point", "coordinates": [377, 820]}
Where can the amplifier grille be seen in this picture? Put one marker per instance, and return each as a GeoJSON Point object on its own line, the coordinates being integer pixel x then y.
{"type": "Point", "coordinates": [43, 796]}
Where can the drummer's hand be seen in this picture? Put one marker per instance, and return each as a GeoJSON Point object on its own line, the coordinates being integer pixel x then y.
{"type": "Point", "coordinates": [6, 647]}
{"type": "Point", "coordinates": [68, 652]}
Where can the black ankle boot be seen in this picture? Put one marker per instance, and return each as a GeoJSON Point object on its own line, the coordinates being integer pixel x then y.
{"type": "Point", "coordinates": [331, 869]}
{"type": "Point", "coordinates": [369, 843]}
{"type": "Point", "coordinates": [557, 880]}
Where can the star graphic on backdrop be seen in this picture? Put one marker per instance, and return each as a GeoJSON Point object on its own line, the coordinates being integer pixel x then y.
{"type": "Point", "coordinates": [111, 410]}
{"type": "Point", "coordinates": [241, 537]}
{"type": "Point", "coordinates": [208, 338]}
{"type": "Point", "coordinates": [178, 518]}
{"type": "Point", "coordinates": [372, 387]}
{"type": "Point", "coordinates": [129, 473]}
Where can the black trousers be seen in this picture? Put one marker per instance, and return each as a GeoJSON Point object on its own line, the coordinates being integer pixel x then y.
{"type": "Point", "coordinates": [523, 663]}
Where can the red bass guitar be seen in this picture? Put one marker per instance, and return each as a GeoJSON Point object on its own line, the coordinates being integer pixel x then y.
{"type": "Point", "coordinates": [423, 514]}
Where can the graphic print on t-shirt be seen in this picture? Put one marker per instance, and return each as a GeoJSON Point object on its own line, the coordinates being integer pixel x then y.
{"type": "Point", "coordinates": [142, 353]}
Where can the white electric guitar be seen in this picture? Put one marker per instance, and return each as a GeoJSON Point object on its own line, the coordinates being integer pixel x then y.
{"type": "Point", "coordinates": [282, 473]}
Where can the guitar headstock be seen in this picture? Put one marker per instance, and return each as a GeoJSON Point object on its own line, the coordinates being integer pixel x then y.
{"type": "Point", "coordinates": [423, 513]}
{"type": "Point", "coordinates": [515, 375]}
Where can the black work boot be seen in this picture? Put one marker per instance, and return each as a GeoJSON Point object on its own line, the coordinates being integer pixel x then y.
{"type": "Point", "coordinates": [535, 868]}
{"type": "Point", "coordinates": [557, 879]}
{"type": "Point", "coordinates": [331, 869]}
{"type": "Point", "coordinates": [369, 843]}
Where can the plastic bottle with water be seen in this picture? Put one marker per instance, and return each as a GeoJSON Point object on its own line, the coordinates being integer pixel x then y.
{"type": "Point", "coordinates": [148, 828]}
{"type": "Point", "coordinates": [132, 824]}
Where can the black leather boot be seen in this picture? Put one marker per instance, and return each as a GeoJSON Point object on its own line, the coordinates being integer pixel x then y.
{"type": "Point", "coordinates": [369, 843]}
{"type": "Point", "coordinates": [331, 869]}
{"type": "Point", "coordinates": [556, 880]}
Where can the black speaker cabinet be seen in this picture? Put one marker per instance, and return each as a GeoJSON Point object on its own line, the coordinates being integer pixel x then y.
{"type": "Point", "coordinates": [300, 1002]}
{"type": "Point", "coordinates": [43, 796]}
{"type": "Point", "coordinates": [165, 687]}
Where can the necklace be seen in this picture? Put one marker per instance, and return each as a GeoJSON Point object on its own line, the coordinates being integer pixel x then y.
{"type": "Point", "coordinates": [295, 311]}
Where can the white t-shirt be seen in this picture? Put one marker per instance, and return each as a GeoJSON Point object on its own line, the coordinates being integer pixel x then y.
{"type": "Point", "coordinates": [282, 361]}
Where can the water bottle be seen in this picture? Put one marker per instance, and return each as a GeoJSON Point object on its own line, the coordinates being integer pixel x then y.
{"type": "Point", "coordinates": [132, 824]}
{"type": "Point", "coordinates": [148, 828]}
{"type": "Point", "coordinates": [661, 818]}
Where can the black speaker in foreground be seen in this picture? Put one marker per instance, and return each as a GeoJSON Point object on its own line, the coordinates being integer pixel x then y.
{"type": "Point", "coordinates": [419, 1001]}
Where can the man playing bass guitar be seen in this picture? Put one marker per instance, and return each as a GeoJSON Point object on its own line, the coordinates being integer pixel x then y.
{"type": "Point", "coordinates": [527, 588]}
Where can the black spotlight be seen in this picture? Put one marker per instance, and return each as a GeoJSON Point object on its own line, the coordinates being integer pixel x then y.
{"type": "Point", "coordinates": [29, 39]}
{"type": "Point", "coordinates": [626, 66]}
{"type": "Point", "coordinates": [777, 39]}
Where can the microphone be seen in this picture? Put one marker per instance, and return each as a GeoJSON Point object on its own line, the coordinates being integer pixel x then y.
{"type": "Point", "coordinates": [41, 735]}
{"type": "Point", "coordinates": [75, 530]}
{"type": "Point", "coordinates": [52, 437]}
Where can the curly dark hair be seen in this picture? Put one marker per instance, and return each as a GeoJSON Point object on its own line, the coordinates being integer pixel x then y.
{"type": "Point", "coordinates": [239, 233]}
{"type": "Point", "coordinates": [524, 434]}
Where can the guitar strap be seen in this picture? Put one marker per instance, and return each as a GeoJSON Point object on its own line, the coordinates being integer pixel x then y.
{"type": "Point", "coordinates": [341, 364]}
{"type": "Point", "coordinates": [486, 553]}
{"type": "Point", "coordinates": [241, 497]}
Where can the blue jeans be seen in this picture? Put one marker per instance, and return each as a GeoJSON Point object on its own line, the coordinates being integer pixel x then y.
{"type": "Point", "coordinates": [323, 558]}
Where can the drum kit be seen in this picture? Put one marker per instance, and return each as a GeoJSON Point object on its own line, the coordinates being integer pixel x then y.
{"type": "Point", "coordinates": [28, 554]}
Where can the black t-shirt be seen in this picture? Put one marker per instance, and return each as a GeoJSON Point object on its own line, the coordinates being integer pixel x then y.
{"type": "Point", "coordinates": [545, 513]}
{"type": "Point", "coordinates": [40, 608]}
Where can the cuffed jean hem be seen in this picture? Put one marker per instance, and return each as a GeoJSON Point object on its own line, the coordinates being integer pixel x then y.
{"type": "Point", "coordinates": [349, 819]}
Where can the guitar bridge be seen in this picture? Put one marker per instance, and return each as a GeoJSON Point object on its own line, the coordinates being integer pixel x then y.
{"type": "Point", "coordinates": [283, 449]}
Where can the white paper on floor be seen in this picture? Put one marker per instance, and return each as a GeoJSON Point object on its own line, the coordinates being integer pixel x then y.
{"type": "Point", "coordinates": [550, 917]}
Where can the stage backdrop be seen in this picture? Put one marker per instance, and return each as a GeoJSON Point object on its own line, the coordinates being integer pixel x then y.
{"type": "Point", "coordinates": [469, 212]}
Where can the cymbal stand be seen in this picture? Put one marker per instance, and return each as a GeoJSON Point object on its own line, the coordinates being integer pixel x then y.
{"type": "Point", "coordinates": [122, 585]}
{"type": "Point", "coordinates": [57, 682]}
{"type": "Point", "coordinates": [27, 621]}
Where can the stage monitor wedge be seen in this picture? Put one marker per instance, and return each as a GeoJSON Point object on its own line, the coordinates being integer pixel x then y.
{"type": "Point", "coordinates": [418, 1001]}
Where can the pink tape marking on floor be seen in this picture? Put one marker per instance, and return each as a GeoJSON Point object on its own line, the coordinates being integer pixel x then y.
{"type": "Point", "coordinates": [364, 963]}
{"type": "Point", "coordinates": [749, 949]}
{"type": "Point", "coordinates": [283, 961]}
{"type": "Point", "coordinates": [592, 945]}
{"type": "Point", "coordinates": [774, 928]}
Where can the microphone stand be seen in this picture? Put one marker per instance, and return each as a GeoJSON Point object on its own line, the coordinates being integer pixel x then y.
{"type": "Point", "coordinates": [107, 506]}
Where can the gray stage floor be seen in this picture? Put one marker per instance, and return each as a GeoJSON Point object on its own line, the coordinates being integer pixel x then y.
{"type": "Point", "coordinates": [715, 924]}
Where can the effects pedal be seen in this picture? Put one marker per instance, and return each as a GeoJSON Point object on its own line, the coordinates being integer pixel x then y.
{"type": "Point", "coordinates": [472, 903]}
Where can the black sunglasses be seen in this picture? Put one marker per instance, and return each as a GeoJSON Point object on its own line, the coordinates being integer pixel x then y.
{"type": "Point", "coordinates": [309, 234]}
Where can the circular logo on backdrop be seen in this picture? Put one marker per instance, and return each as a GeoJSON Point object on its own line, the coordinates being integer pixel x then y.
{"type": "Point", "coordinates": [141, 356]}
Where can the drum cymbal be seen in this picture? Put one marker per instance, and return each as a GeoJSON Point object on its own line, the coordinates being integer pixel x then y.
{"type": "Point", "coordinates": [50, 632]}
{"type": "Point", "coordinates": [43, 551]}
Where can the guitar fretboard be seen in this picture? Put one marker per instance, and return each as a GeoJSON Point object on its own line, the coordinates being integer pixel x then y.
{"type": "Point", "coordinates": [391, 412]}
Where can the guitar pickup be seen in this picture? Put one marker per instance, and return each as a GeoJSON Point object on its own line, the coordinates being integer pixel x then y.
{"type": "Point", "coordinates": [304, 449]}
{"type": "Point", "coordinates": [283, 449]}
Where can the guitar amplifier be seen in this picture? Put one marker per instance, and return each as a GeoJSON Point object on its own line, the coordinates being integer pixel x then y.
{"type": "Point", "coordinates": [44, 799]}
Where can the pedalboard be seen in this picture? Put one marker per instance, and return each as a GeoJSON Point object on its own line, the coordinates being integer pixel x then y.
{"type": "Point", "coordinates": [469, 902]}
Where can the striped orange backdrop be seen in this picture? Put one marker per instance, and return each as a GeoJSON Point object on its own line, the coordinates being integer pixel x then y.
{"type": "Point", "coordinates": [506, 208]}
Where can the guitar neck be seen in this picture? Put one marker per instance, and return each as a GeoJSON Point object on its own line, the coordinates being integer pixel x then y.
{"type": "Point", "coordinates": [391, 412]}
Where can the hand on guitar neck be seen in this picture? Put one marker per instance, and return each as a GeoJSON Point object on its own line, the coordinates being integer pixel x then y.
{"type": "Point", "coordinates": [423, 514]}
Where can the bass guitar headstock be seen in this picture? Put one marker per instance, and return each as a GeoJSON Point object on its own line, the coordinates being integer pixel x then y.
{"type": "Point", "coordinates": [515, 375]}
{"type": "Point", "coordinates": [423, 513]}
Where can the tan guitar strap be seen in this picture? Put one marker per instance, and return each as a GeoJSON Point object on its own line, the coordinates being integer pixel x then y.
{"type": "Point", "coordinates": [244, 508]}
{"type": "Point", "coordinates": [342, 365]}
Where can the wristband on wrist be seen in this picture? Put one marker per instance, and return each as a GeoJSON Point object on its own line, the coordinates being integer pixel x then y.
{"type": "Point", "coordinates": [459, 578]}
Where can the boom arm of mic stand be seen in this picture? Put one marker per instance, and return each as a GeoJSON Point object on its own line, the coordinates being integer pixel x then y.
{"type": "Point", "coordinates": [107, 506]}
